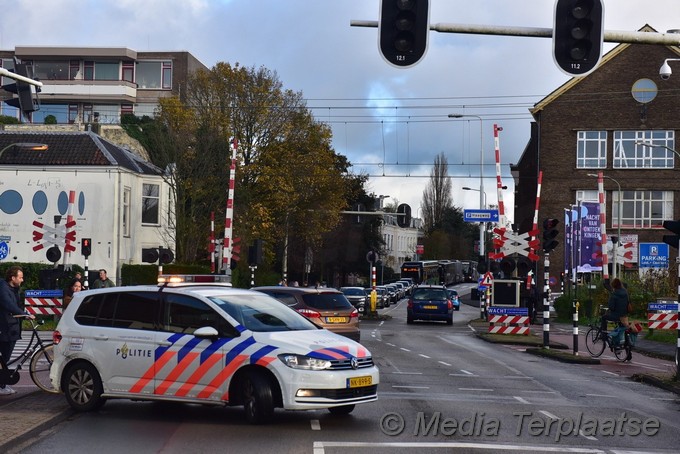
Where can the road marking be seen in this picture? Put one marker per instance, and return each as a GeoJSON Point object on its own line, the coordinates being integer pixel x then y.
{"type": "Point", "coordinates": [466, 372]}
{"type": "Point", "coordinates": [464, 375]}
{"type": "Point", "coordinates": [599, 395]}
{"type": "Point", "coordinates": [411, 387]}
{"type": "Point", "coordinates": [653, 398]}
{"type": "Point", "coordinates": [442, 362]}
{"type": "Point", "coordinates": [580, 432]}
{"type": "Point", "coordinates": [316, 425]}
{"type": "Point", "coordinates": [548, 414]}
{"type": "Point", "coordinates": [405, 349]}
{"type": "Point", "coordinates": [610, 373]}
{"type": "Point", "coordinates": [319, 446]}
{"type": "Point", "coordinates": [391, 345]}
{"type": "Point", "coordinates": [574, 379]}
{"type": "Point", "coordinates": [407, 373]}
{"type": "Point", "coordinates": [521, 399]}
{"type": "Point", "coordinates": [475, 389]}
{"type": "Point", "coordinates": [423, 356]}
{"type": "Point", "coordinates": [539, 392]}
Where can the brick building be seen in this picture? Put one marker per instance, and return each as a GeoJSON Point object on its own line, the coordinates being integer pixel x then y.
{"type": "Point", "coordinates": [605, 122]}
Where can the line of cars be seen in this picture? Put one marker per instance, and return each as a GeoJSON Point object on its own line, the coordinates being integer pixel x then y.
{"type": "Point", "coordinates": [387, 294]}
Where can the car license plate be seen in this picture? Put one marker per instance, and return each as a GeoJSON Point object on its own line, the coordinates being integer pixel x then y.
{"type": "Point", "coordinates": [430, 307]}
{"type": "Point", "coordinates": [336, 319]}
{"type": "Point", "coordinates": [359, 382]}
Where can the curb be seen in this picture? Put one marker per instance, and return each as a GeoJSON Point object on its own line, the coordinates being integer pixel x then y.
{"type": "Point", "coordinates": [27, 416]}
{"type": "Point", "coordinates": [657, 382]}
{"type": "Point", "coordinates": [562, 356]}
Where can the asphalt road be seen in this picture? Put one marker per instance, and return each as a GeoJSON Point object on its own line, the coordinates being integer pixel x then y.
{"type": "Point", "coordinates": [442, 389]}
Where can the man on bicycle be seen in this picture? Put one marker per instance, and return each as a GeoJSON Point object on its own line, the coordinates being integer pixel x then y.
{"type": "Point", "coordinates": [10, 326]}
{"type": "Point", "coordinates": [618, 305]}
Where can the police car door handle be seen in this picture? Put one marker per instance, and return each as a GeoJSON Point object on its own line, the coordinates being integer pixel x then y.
{"type": "Point", "coordinates": [101, 337]}
{"type": "Point", "coordinates": [165, 343]}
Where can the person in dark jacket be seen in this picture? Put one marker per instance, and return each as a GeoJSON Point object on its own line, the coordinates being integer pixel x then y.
{"type": "Point", "coordinates": [10, 326]}
{"type": "Point", "coordinates": [618, 304]}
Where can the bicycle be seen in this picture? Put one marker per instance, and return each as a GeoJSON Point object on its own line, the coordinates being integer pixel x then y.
{"type": "Point", "coordinates": [597, 339]}
{"type": "Point", "coordinates": [41, 356]}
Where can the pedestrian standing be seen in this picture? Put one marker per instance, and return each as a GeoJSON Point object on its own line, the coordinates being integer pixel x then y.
{"type": "Point", "coordinates": [103, 281]}
{"type": "Point", "coordinates": [10, 324]}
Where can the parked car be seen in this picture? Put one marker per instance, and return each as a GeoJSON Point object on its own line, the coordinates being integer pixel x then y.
{"type": "Point", "coordinates": [402, 289]}
{"type": "Point", "coordinates": [429, 302]}
{"type": "Point", "coordinates": [455, 300]}
{"type": "Point", "coordinates": [408, 282]}
{"type": "Point", "coordinates": [206, 344]}
{"type": "Point", "coordinates": [325, 307]}
{"type": "Point", "coordinates": [383, 297]}
{"type": "Point", "coordinates": [390, 294]}
{"type": "Point", "coordinates": [357, 296]}
{"type": "Point", "coordinates": [394, 292]}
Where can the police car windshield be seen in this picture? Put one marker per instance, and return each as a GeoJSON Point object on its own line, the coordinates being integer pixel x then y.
{"type": "Point", "coordinates": [262, 313]}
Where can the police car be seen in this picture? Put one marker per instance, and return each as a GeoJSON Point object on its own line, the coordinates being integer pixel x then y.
{"type": "Point", "coordinates": [208, 344]}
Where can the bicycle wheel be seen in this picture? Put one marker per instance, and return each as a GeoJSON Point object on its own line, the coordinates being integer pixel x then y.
{"type": "Point", "coordinates": [40, 368]}
{"type": "Point", "coordinates": [16, 357]}
{"type": "Point", "coordinates": [624, 352]}
{"type": "Point", "coordinates": [595, 341]}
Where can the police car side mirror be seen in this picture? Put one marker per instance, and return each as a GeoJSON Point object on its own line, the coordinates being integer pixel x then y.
{"type": "Point", "coordinates": [206, 332]}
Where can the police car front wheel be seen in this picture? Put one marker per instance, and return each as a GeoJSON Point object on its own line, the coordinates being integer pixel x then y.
{"type": "Point", "coordinates": [258, 399]}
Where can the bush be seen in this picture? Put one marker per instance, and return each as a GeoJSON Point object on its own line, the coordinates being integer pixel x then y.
{"type": "Point", "coordinates": [50, 120]}
{"type": "Point", "coordinates": [7, 120]}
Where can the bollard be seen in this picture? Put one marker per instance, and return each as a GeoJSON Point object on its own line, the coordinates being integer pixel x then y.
{"type": "Point", "coordinates": [575, 331]}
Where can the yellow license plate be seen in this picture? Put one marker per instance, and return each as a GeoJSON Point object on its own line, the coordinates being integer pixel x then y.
{"type": "Point", "coordinates": [358, 382]}
{"type": "Point", "coordinates": [336, 319]}
{"type": "Point", "coordinates": [430, 307]}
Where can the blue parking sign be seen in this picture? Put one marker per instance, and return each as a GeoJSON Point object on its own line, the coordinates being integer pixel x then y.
{"type": "Point", "coordinates": [653, 255]}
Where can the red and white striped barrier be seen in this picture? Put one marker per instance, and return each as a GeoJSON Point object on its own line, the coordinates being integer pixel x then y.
{"type": "Point", "coordinates": [503, 321]}
{"type": "Point", "coordinates": [662, 321]}
{"type": "Point", "coordinates": [44, 306]}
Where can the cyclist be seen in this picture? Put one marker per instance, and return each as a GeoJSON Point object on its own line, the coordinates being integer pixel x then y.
{"type": "Point", "coordinates": [10, 326]}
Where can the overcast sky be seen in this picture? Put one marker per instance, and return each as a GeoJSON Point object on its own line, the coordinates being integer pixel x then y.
{"type": "Point", "coordinates": [390, 122]}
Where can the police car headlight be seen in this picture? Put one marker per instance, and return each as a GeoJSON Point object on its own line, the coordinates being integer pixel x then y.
{"type": "Point", "coordinates": [304, 362]}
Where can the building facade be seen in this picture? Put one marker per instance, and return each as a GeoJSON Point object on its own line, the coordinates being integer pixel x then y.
{"type": "Point", "coordinates": [80, 186]}
{"type": "Point", "coordinates": [99, 85]}
{"type": "Point", "coordinates": [620, 121]}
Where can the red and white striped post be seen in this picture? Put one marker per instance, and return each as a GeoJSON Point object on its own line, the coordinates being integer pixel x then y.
{"type": "Point", "coordinates": [229, 213]}
{"type": "Point", "coordinates": [603, 225]}
{"type": "Point", "coordinates": [211, 249]}
{"type": "Point", "coordinates": [68, 247]}
{"type": "Point", "coordinates": [499, 184]}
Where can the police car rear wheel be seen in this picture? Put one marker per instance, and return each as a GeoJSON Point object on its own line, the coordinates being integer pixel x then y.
{"type": "Point", "coordinates": [258, 400]}
{"type": "Point", "coordinates": [83, 387]}
{"type": "Point", "coordinates": [342, 410]}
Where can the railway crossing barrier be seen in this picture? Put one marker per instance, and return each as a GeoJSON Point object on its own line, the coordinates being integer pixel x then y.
{"type": "Point", "coordinates": [44, 302]}
{"type": "Point", "coordinates": [509, 320]}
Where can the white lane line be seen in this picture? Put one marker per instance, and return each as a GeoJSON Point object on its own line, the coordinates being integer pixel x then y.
{"type": "Point", "coordinates": [580, 432]}
{"type": "Point", "coordinates": [653, 398]}
{"type": "Point", "coordinates": [319, 446]}
{"type": "Point", "coordinates": [391, 345]}
{"type": "Point", "coordinates": [599, 395]}
{"type": "Point", "coordinates": [466, 372]}
{"type": "Point", "coordinates": [530, 391]}
{"type": "Point", "coordinates": [423, 356]}
{"type": "Point", "coordinates": [410, 387]}
{"type": "Point", "coordinates": [316, 425]}
{"type": "Point", "coordinates": [463, 375]}
{"type": "Point", "coordinates": [405, 349]}
{"type": "Point", "coordinates": [574, 379]}
{"type": "Point", "coordinates": [407, 373]}
{"type": "Point", "coordinates": [521, 399]}
{"type": "Point", "coordinates": [610, 373]}
{"type": "Point", "coordinates": [442, 362]}
{"type": "Point", "coordinates": [475, 389]}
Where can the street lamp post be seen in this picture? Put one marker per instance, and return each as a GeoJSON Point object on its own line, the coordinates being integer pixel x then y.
{"type": "Point", "coordinates": [482, 201]}
{"type": "Point", "coordinates": [25, 146]}
{"type": "Point", "coordinates": [619, 215]}
{"type": "Point", "coordinates": [482, 225]}
{"type": "Point", "coordinates": [654, 145]}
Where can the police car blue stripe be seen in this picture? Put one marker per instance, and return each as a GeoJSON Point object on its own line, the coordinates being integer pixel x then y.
{"type": "Point", "coordinates": [188, 347]}
{"type": "Point", "coordinates": [238, 349]}
{"type": "Point", "coordinates": [212, 348]}
{"type": "Point", "coordinates": [261, 353]}
{"type": "Point", "coordinates": [172, 339]}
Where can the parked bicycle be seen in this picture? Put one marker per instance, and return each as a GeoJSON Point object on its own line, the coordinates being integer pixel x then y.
{"type": "Point", "coordinates": [598, 339]}
{"type": "Point", "coordinates": [41, 355]}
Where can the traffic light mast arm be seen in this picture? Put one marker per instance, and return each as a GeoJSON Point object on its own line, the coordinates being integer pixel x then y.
{"type": "Point", "coordinates": [611, 36]}
{"type": "Point", "coordinates": [11, 75]}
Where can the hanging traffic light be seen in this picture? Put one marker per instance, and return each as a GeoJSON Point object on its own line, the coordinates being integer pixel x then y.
{"type": "Point", "coordinates": [672, 240]}
{"type": "Point", "coordinates": [24, 100]}
{"type": "Point", "coordinates": [403, 31]}
{"type": "Point", "coordinates": [86, 246]}
{"type": "Point", "coordinates": [578, 32]}
{"type": "Point", "coordinates": [550, 232]}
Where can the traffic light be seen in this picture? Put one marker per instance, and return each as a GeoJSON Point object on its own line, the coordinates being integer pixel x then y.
{"type": "Point", "coordinates": [53, 254]}
{"type": "Point", "coordinates": [507, 266]}
{"type": "Point", "coordinates": [86, 247]}
{"type": "Point", "coordinates": [549, 234]}
{"type": "Point", "coordinates": [24, 99]}
{"type": "Point", "coordinates": [405, 219]}
{"type": "Point", "coordinates": [524, 265]}
{"type": "Point", "coordinates": [403, 31]}
{"type": "Point", "coordinates": [150, 255]}
{"type": "Point", "coordinates": [672, 240]}
{"type": "Point", "coordinates": [166, 255]}
{"type": "Point", "coordinates": [255, 253]}
{"type": "Point", "coordinates": [578, 32]}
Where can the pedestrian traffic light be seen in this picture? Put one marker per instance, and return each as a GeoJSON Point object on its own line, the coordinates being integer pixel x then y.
{"type": "Point", "coordinates": [404, 215]}
{"type": "Point", "coordinates": [24, 100]}
{"type": "Point", "coordinates": [86, 246]}
{"type": "Point", "coordinates": [578, 32]}
{"type": "Point", "coordinates": [672, 240]}
{"type": "Point", "coordinates": [403, 31]}
{"type": "Point", "coordinates": [549, 234]}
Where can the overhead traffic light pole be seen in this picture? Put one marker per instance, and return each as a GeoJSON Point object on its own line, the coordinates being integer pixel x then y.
{"type": "Point", "coordinates": [674, 242]}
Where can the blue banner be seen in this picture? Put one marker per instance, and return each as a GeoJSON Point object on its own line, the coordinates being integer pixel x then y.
{"type": "Point", "coordinates": [44, 293]}
{"type": "Point", "coordinates": [654, 255]}
{"type": "Point", "coordinates": [662, 307]}
{"type": "Point", "coordinates": [508, 310]}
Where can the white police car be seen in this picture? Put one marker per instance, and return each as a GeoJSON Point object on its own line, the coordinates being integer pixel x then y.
{"type": "Point", "coordinates": [208, 344]}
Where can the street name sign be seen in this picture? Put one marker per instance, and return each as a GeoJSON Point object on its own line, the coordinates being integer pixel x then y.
{"type": "Point", "coordinates": [480, 215]}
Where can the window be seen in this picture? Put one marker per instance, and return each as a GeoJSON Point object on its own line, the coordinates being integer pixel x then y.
{"type": "Point", "coordinates": [128, 71]}
{"type": "Point", "coordinates": [642, 209]}
{"type": "Point", "coordinates": [629, 151]}
{"type": "Point", "coordinates": [59, 111]}
{"type": "Point", "coordinates": [150, 203]}
{"type": "Point", "coordinates": [72, 113]}
{"type": "Point", "coordinates": [51, 70]}
{"type": "Point", "coordinates": [184, 314]}
{"type": "Point", "coordinates": [154, 75]}
{"type": "Point", "coordinates": [74, 70]}
{"type": "Point", "coordinates": [137, 310]}
{"type": "Point", "coordinates": [587, 195]}
{"type": "Point", "coordinates": [106, 70]}
{"type": "Point", "coordinates": [127, 194]}
{"type": "Point", "coordinates": [89, 70]}
{"type": "Point", "coordinates": [591, 149]}
{"type": "Point", "coordinates": [108, 113]}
